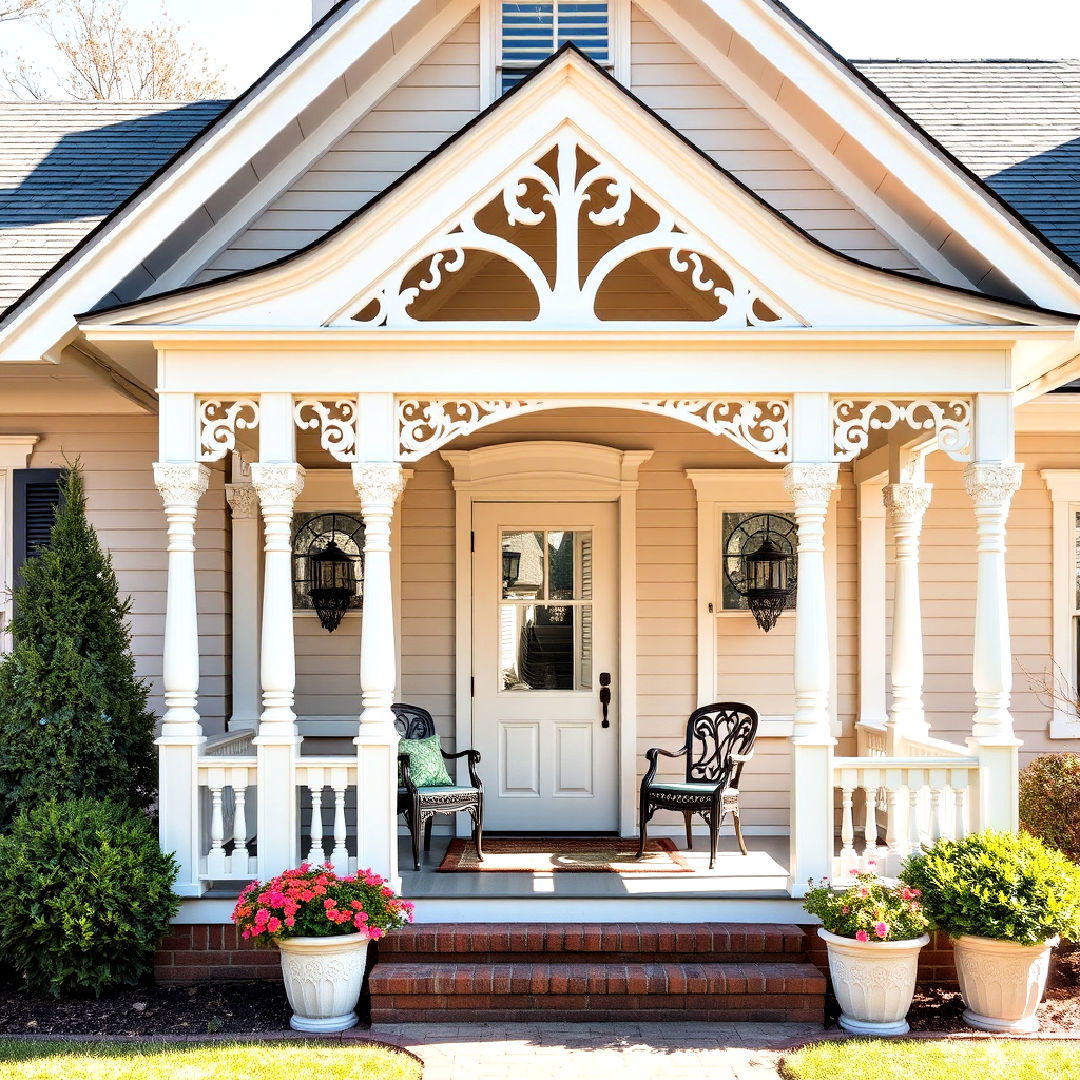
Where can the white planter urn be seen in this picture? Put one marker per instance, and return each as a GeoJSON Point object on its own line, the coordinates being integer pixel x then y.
{"type": "Point", "coordinates": [1001, 982]}
{"type": "Point", "coordinates": [323, 977]}
{"type": "Point", "coordinates": [874, 981]}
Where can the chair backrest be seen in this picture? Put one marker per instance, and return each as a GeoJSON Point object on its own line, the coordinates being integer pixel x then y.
{"type": "Point", "coordinates": [713, 734]}
{"type": "Point", "coordinates": [412, 722]}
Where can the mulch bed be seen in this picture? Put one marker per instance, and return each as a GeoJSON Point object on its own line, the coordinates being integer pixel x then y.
{"type": "Point", "coordinates": [939, 1011]}
{"type": "Point", "coordinates": [206, 1009]}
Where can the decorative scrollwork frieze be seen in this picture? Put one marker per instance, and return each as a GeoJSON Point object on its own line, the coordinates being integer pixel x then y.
{"type": "Point", "coordinates": [567, 189]}
{"type": "Point", "coordinates": [762, 427]}
{"type": "Point", "coordinates": [336, 420]}
{"type": "Point", "coordinates": [219, 422]}
{"type": "Point", "coordinates": [854, 420]}
{"type": "Point", "coordinates": [424, 426]}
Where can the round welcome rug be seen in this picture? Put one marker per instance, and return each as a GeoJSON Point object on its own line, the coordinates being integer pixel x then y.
{"type": "Point", "coordinates": [580, 855]}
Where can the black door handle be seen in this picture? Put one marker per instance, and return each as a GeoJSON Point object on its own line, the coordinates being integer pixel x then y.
{"type": "Point", "coordinates": [605, 697]}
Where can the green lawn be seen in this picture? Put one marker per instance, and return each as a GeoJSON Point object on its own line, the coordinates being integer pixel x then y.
{"type": "Point", "coordinates": [938, 1060]}
{"type": "Point", "coordinates": [244, 1061]}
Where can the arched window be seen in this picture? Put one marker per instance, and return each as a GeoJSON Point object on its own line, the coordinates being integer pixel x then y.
{"type": "Point", "coordinates": [314, 532]}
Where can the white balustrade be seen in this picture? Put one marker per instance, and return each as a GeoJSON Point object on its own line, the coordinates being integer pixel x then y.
{"type": "Point", "coordinates": [225, 835]}
{"type": "Point", "coordinates": [923, 799]}
{"type": "Point", "coordinates": [315, 776]}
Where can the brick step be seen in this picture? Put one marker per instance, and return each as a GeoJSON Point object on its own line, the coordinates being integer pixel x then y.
{"type": "Point", "coordinates": [626, 942]}
{"type": "Point", "coordinates": [574, 990]}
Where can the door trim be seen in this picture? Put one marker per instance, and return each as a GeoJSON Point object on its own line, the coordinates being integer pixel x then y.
{"type": "Point", "coordinates": [553, 472]}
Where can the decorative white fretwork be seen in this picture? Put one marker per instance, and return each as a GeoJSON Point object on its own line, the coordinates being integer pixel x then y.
{"type": "Point", "coordinates": [762, 427]}
{"type": "Point", "coordinates": [566, 189]}
{"type": "Point", "coordinates": [337, 422]}
{"type": "Point", "coordinates": [854, 420]}
{"type": "Point", "coordinates": [219, 422]}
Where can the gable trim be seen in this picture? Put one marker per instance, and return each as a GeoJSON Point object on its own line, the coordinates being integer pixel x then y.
{"type": "Point", "coordinates": [867, 116]}
{"type": "Point", "coordinates": [932, 293]}
{"type": "Point", "coordinates": [148, 216]}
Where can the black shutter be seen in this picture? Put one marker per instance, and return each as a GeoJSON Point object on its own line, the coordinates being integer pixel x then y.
{"type": "Point", "coordinates": [36, 497]}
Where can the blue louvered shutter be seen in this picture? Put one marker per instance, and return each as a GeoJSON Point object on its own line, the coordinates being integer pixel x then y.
{"type": "Point", "coordinates": [530, 33]}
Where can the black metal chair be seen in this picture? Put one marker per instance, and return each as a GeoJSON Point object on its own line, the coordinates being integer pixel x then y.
{"type": "Point", "coordinates": [719, 742]}
{"type": "Point", "coordinates": [420, 805]}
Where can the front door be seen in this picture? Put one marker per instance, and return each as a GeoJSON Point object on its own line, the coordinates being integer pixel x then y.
{"type": "Point", "coordinates": [544, 646]}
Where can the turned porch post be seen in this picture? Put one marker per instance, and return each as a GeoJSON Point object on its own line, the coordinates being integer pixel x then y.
{"type": "Point", "coordinates": [278, 480]}
{"type": "Point", "coordinates": [906, 503]}
{"type": "Point", "coordinates": [181, 485]}
{"type": "Point", "coordinates": [991, 486]}
{"type": "Point", "coordinates": [378, 484]}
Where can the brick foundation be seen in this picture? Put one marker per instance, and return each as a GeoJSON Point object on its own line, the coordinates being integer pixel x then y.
{"type": "Point", "coordinates": [212, 953]}
{"type": "Point", "coordinates": [936, 963]}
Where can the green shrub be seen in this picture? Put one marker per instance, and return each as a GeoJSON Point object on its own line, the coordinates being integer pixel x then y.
{"type": "Point", "coordinates": [1001, 885]}
{"type": "Point", "coordinates": [73, 716]}
{"type": "Point", "coordinates": [1050, 801]}
{"type": "Point", "coordinates": [85, 896]}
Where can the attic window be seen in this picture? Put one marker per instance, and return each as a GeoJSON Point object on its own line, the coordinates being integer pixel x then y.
{"type": "Point", "coordinates": [530, 32]}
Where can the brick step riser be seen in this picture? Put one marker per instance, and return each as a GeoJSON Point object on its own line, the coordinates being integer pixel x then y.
{"type": "Point", "coordinates": [569, 957]}
{"type": "Point", "coordinates": [765, 1010]}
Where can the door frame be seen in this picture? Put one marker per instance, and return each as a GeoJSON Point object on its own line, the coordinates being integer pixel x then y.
{"type": "Point", "coordinates": [557, 472]}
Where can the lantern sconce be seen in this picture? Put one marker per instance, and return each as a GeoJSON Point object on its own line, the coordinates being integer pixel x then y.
{"type": "Point", "coordinates": [332, 585]}
{"type": "Point", "coordinates": [511, 568]}
{"type": "Point", "coordinates": [760, 564]}
{"type": "Point", "coordinates": [328, 565]}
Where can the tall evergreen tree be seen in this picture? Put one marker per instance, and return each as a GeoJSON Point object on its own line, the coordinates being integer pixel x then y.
{"type": "Point", "coordinates": [74, 720]}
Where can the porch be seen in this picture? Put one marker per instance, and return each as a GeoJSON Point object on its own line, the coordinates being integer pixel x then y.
{"type": "Point", "coordinates": [894, 787]}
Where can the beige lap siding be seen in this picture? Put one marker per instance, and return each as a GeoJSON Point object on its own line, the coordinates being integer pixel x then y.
{"type": "Point", "coordinates": [752, 667]}
{"type": "Point", "coordinates": [117, 455]}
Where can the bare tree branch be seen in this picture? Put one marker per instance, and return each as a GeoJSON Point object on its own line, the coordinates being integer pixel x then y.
{"type": "Point", "coordinates": [102, 56]}
{"type": "Point", "coordinates": [19, 9]}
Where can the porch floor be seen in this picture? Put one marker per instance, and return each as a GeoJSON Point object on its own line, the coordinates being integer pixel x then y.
{"type": "Point", "coordinates": [760, 874]}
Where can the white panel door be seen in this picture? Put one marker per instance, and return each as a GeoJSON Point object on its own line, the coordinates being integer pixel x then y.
{"type": "Point", "coordinates": [545, 579]}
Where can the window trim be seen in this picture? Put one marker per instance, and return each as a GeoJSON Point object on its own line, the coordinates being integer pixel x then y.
{"type": "Point", "coordinates": [1064, 488]}
{"type": "Point", "coordinates": [491, 46]}
{"type": "Point", "coordinates": [15, 453]}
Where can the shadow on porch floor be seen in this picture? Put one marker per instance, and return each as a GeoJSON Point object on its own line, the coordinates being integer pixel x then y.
{"type": "Point", "coordinates": [762, 873]}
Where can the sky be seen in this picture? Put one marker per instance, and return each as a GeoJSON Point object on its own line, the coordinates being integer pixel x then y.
{"type": "Point", "coordinates": [244, 36]}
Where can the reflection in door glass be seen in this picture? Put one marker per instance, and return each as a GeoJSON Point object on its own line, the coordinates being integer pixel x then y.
{"type": "Point", "coordinates": [545, 618]}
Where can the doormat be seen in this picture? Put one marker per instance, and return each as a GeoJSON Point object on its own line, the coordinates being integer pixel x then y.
{"type": "Point", "coordinates": [573, 855]}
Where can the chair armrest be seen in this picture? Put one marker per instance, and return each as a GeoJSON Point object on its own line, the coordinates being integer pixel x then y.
{"type": "Point", "coordinates": [474, 760]}
{"type": "Point", "coordinates": [406, 779]}
{"type": "Point", "coordinates": [655, 753]}
{"type": "Point", "coordinates": [742, 759]}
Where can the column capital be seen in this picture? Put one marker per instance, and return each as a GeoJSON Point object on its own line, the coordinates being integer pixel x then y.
{"type": "Point", "coordinates": [993, 484]}
{"type": "Point", "coordinates": [181, 483]}
{"type": "Point", "coordinates": [378, 482]}
{"type": "Point", "coordinates": [811, 482]}
{"type": "Point", "coordinates": [277, 483]}
{"type": "Point", "coordinates": [243, 500]}
{"type": "Point", "coordinates": [907, 501]}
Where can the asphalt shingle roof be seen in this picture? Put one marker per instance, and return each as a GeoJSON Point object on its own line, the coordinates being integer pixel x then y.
{"type": "Point", "coordinates": [65, 165]}
{"type": "Point", "coordinates": [1014, 123]}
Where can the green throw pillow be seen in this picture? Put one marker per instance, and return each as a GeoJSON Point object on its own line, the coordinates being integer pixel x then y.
{"type": "Point", "coordinates": [426, 768]}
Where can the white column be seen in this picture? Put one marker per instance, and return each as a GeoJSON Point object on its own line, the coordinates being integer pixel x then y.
{"type": "Point", "coordinates": [244, 501]}
{"type": "Point", "coordinates": [873, 710]}
{"type": "Point", "coordinates": [991, 486]}
{"type": "Point", "coordinates": [379, 485]}
{"type": "Point", "coordinates": [277, 744]}
{"type": "Point", "coordinates": [181, 486]}
{"type": "Point", "coordinates": [906, 504]}
{"type": "Point", "coordinates": [810, 487]}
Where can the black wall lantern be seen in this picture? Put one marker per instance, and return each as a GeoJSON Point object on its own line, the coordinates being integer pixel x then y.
{"type": "Point", "coordinates": [511, 566]}
{"type": "Point", "coordinates": [759, 561]}
{"type": "Point", "coordinates": [331, 585]}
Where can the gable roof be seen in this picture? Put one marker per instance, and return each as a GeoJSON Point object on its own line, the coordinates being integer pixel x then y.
{"type": "Point", "coordinates": [352, 28]}
{"type": "Point", "coordinates": [426, 211]}
{"type": "Point", "coordinates": [67, 165]}
{"type": "Point", "coordinates": [1014, 123]}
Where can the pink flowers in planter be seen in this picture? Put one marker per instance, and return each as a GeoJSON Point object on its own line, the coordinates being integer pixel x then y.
{"type": "Point", "coordinates": [313, 901]}
{"type": "Point", "coordinates": [868, 909]}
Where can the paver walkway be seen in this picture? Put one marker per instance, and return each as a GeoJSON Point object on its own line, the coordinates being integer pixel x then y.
{"type": "Point", "coordinates": [625, 1051]}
